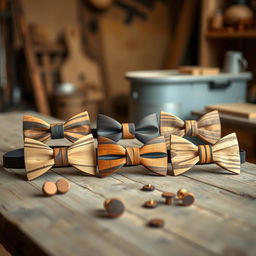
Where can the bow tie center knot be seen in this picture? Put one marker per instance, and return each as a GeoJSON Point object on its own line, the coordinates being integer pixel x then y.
{"type": "Point", "coordinates": [57, 131]}
{"type": "Point", "coordinates": [191, 128]}
{"type": "Point", "coordinates": [205, 154]}
{"type": "Point", "coordinates": [132, 156]}
{"type": "Point", "coordinates": [128, 131]}
{"type": "Point", "coordinates": [61, 156]}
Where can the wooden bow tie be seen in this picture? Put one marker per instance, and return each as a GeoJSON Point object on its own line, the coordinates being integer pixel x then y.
{"type": "Point", "coordinates": [207, 127]}
{"type": "Point", "coordinates": [39, 157]}
{"type": "Point", "coordinates": [73, 129]}
{"type": "Point", "coordinates": [225, 153]}
{"type": "Point", "coordinates": [111, 156]}
{"type": "Point", "coordinates": [144, 130]}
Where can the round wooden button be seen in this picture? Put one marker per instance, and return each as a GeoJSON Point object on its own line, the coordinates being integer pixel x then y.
{"type": "Point", "coordinates": [156, 223]}
{"type": "Point", "coordinates": [148, 187]}
{"type": "Point", "coordinates": [188, 199]}
{"type": "Point", "coordinates": [150, 204]}
{"type": "Point", "coordinates": [49, 188]}
{"type": "Point", "coordinates": [114, 207]}
{"type": "Point", "coordinates": [62, 186]}
{"type": "Point", "coordinates": [168, 197]}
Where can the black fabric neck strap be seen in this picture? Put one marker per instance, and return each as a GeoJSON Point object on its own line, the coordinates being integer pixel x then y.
{"type": "Point", "coordinates": [15, 159]}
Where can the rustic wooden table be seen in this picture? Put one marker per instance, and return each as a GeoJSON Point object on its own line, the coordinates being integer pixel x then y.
{"type": "Point", "coordinates": [221, 222]}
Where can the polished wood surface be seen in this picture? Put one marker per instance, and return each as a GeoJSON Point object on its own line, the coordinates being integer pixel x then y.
{"type": "Point", "coordinates": [208, 127]}
{"type": "Point", "coordinates": [220, 222]}
{"type": "Point", "coordinates": [225, 153]}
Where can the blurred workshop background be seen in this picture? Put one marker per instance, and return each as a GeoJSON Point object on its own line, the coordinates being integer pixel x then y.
{"type": "Point", "coordinates": [129, 58]}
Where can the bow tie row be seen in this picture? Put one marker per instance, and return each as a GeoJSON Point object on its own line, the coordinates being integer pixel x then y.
{"type": "Point", "coordinates": [207, 128]}
{"type": "Point", "coordinates": [39, 157]}
{"type": "Point", "coordinates": [110, 157]}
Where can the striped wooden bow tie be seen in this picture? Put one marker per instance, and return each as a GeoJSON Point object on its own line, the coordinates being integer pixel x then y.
{"type": "Point", "coordinates": [208, 127]}
{"type": "Point", "coordinates": [111, 156]}
{"type": "Point", "coordinates": [39, 157]}
{"type": "Point", "coordinates": [73, 129]}
{"type": "Point", "coordinates": [225, 153]}
{"type": "Point", "coordinates": [144, 130]}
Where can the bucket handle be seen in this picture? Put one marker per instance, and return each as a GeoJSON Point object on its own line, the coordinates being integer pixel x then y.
{"type": "Point", "coordinates": [213, 85]}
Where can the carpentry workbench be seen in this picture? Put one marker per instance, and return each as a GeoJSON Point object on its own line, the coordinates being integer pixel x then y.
{"type": "Point", "coordinates": [221, 221]}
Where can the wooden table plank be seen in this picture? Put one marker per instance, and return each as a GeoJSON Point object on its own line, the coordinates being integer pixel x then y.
{"type": "Point", "coordinates": [221, 222]}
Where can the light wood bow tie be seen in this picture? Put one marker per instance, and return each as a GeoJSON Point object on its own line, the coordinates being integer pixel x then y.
{"type": "Point", "coordinates": [73, 129]}
{"type": "Point", "coordinates": [39, 157]}
{"type": "Point", "coordinates": [208, 127]}
{"type": "Point", "coordinates": [112, 157]}
{"type": "Point", "coordinates": [225, 153]}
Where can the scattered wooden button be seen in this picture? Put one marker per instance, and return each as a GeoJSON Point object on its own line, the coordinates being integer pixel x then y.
{"type": "Point", "coordinates": [150, 204]}
{"type": "Point", "coordinates": [49, 188]}
{"type": "Point", "coordinates": [62, 186]}
{"type": "Point", "coordinates": [181, 193]}
{"type": "Point", "coordinates": [114, 207]}
{"type": "Point", "coordinates": [185, 198]}
{"type": "Point", "coordinates": [148, 187]}
{"type": "Point", "coordinates": [156, 223]}
{"type": "Point", "coordinates": [168, 197]}
{"type": "Point", "coordinates": [188, 199]}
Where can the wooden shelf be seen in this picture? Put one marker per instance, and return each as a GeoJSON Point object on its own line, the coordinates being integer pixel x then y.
{"type": "Point", "coordinates": [235, 34]}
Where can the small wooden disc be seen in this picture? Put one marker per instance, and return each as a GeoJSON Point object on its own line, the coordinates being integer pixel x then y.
{"type": "Point", "coordinates": [156, 223]}
{"type": "Point", "coordinates": [49, 188]}
{"type": "Point", "coordinates": [114, 207]}
{"type": "Point", "coordinates": [168, 194]}
{"type": "Point", "coordinates": [62, 186]}
{"type": "Point", "coordinates": [150, 204]}
{"type": "Point", "coordinates": [188, 199]}
{"type": "Point", "coordinates": [148, 187]}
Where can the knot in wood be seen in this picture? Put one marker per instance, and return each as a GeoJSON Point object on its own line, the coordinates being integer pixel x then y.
{"type": "Point", "coordinates": [132, 156]}
{"type": "Point", "coordinates": [205, 154]}
{"type": "Point", "coordinates": [60, 156]}
{"type": "Point", "coordinates": [57, 131]}
{"type": "Point", "coordinates": [191, 128]}
{"type": "Point", "coordinates": [128, 131]}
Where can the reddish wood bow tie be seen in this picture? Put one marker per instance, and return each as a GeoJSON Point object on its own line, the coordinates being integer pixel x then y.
{"type": "Point", "coordinates": [225, 153]}
{"type": "Point", "coordinates": [39, 157]}
{"type": "Point", "coordinates": [111, 156]}
{"type": "Point", "coordinates": [208, 127]}
{"type": "Point", "coordinates": [73, 129]}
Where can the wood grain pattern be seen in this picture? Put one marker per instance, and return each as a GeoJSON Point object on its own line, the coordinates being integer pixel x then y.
{"type": "Point", "coordinates": [128, 131]}
{"type": "Point", "coordinates": [75, 128]}
{"type": "Point", "coordinates": [40, 158]}
{"type": "Point", "coordinates": [225, 206]}
{"type": "Point", "coordinates": [225, 153]}
{"type": "Point", "coordinates": [208, 127]}
{"type": "Point", "coordinates": [245, 110]}
{"type": "Point", "coordinates": [111, 156]}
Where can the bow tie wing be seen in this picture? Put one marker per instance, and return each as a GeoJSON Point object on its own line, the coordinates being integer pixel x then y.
{"type": "Point", "coordinates": [153, 156]}
{"type": "Point", "coordinates": [209, 127]}
{"type": "Point", "coordinates": [35, 128]}
{"type": "Point", "coordinates": [77, 126]}
{"type": "Point", "coordinates": [171, 125]}
{"type": "Point", "coordinates": [226, 153]}
{"type": "Point", "coordinates": [82, 155]}
{"type": "Point", "coordinates": [184, 154]}
{"type": "Point", "coordinates": [38, 158]}
{"type": "Point", "coordinates": [111, 156]}
{"type": "Point", "coordinates": [109, 127]}
{"type": "Point", "coordinates": [147, 128]}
